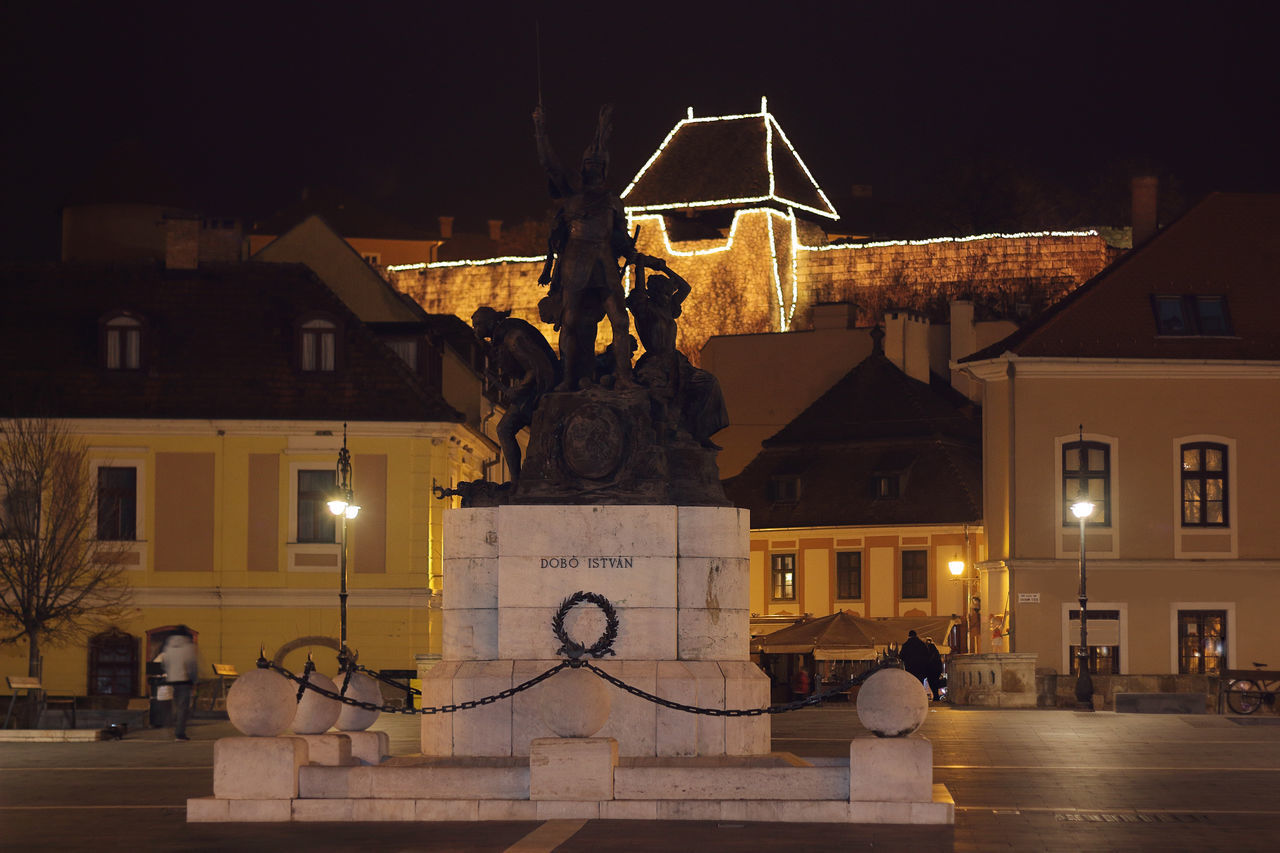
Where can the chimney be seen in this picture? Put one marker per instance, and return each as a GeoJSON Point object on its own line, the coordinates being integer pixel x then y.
{"type": "Point", "coordinates": [446, 227]}
{"type": "Point", "coordinates": [1143, 212]}
{"type": "Point", "coordinates": [906, 343]}
{"type": "Point", "coordinates": [181, 242]}
{"type": "Point", "coordinates": [495, 230]}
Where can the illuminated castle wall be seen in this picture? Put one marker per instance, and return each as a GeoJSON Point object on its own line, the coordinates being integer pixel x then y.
{"type": "Point", "coordinates": [772, 264]}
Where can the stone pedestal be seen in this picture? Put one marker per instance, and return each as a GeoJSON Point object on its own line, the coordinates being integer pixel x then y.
{"type": "Point", "coordinates": [678, 579]}
{"type": "Point", "coordinates": [891, 769]}
{"type": "Point", "coordinates": [575, 769]}
{"type": "Point", "coordinates": [333, 750]}
{"type": "Point", "coordinates": [257, 768]}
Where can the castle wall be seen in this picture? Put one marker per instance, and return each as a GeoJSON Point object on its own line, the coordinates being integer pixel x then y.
{"type": "Point", "coordinates": [760, 277]}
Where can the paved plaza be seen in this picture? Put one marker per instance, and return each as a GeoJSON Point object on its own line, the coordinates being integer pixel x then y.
{"type": "Point", "coordinates": [1022, 780]}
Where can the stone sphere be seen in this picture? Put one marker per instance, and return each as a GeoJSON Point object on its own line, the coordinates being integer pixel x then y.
{"type": "Point", "coordinates": [261, 703]}
{"type": "Point", "coordinates": [574, 703]}
{"type": "Point", "coordinates": [363, 689]}
{"type": "Point", "coordinates": [892, 703]}
{"type": "Point", "coordinates": [317, 713]}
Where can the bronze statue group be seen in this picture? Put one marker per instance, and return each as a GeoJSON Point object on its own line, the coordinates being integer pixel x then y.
{"type": "Point", "coordinates": [588, 252]}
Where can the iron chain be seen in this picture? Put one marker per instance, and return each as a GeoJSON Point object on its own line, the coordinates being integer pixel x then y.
{"type": "Point", "coordinates": [304, 684]}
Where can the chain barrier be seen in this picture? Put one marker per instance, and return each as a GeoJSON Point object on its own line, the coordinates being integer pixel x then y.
{"type": "Point", "coordinates": [577, 660]}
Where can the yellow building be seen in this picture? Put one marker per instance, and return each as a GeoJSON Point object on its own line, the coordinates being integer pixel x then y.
{"type": "Point", "coordinates": [1154, 390]}
{"type": "Point", "coordinates": [863, 501]}
{"type": "Point", "coordinates": [213, 402]}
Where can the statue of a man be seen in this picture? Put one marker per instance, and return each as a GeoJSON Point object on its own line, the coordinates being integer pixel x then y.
{"type": "Point", "coordinates": [588, 236]}
{"type": "Point", "coordinates": [525, 367]}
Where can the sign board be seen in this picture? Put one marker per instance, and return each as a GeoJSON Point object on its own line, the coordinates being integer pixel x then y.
{"type": "Point", "coordinates": [1028, 598]}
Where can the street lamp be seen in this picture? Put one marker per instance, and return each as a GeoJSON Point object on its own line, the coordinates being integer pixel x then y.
{"type": "Point", "coordinates": [343, 505]}
{"type": "Point", "coordinates": [1082, 509]}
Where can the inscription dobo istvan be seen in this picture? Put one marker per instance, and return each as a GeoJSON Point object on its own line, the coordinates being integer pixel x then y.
{"type": "Point", "coordinates": [599, 562]}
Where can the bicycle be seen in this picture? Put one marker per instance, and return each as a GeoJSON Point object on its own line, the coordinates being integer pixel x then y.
{"type": "Point", "coordinates": [1247, 691]}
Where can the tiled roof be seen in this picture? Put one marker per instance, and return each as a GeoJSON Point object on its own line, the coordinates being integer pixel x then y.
{"type": "Point", "coordinates": [1228, 245]}
{"type": "Point", "coordinates": [722, 161]}
{"type": "Point", "coordinates": [218, 342]}
{"type": "Point", "coordinates": [348, 216]}
{"type": "Point", "coordinates": [876, 421]}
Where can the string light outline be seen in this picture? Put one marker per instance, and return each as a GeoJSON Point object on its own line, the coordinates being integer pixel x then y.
{"type": "Point", "coordinates": [770, 123]}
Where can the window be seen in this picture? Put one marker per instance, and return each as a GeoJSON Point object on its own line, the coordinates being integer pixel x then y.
{"type": "Point", "coordinates": [372, 258]}
{"type": "Point", "coordinates": [1104, 647]}
{"type": "Point", "coordinates": [1189, 315]}
{"type": "Point", "coordinates": [849, 574]}
{"type": "Point", "coordinates": [407, 349]}
{"type": "Point", "coordinates": [21, 516]}
{"type": "Point", "coordinates": [915, 574]}
{"type": "Point", "coordinates": [1086, 469]}
{"type": "Point", "coordinates": [113, 664]}
{"type": "Point", "coordinates": [1202, 641]}
{"type": "Point", "coordinates": [783, 488]}
{"type": "Point", "coordinates": [319, 345]}
{"type": "Point", "coordinates": [884, 487]}
{"type": "Point", "coordinates": [1204, 485]}
{"type": "Point", "coordinates": [117, 503]}
{"type": "Point", "coordinates": [784, 577]}
{"type": "Point", "coordinates": [122, 343]}
{"type": "Point", "coordinates": [315, 522]}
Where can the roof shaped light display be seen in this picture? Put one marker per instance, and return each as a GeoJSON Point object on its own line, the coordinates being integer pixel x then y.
{"type": "Point", "coordinates": [726, 161]}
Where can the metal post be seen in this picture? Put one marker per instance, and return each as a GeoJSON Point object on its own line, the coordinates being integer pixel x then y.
{"type": "Point", "coordinates": [1084, 682]}
{"type": "Point", "coordinates": [342, 594]}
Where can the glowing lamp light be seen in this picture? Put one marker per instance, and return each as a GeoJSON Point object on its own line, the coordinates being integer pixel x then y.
{"type": "Point", "coordinates": [338, 506]}
{"type": "Point", "coordinates": [956, 567]}
{"type": "Point", "coordinates": [1082, 509]}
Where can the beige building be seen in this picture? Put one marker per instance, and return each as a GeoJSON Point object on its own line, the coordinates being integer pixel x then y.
{"type": "Point", "coordinates": [1154, 389]}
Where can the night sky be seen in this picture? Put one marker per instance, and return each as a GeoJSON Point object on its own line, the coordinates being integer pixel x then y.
{"type": "Point", "coordinates": [960, 118]}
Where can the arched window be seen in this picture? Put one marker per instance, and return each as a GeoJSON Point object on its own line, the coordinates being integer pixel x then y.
{"type": "Point", "coordinates": [122, 342]}
{"type": "Point", "coordinates": [113, 664]}
{"type": "Point", "coordinates": [318, 345]}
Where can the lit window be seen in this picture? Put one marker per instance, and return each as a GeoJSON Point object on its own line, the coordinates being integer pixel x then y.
{"type": "Point", "coordinates": [1103, 659]}
{"type": "Point", "coordinates": [123, 343]}
{"type": "Point", "coordinates": [1204, 485]}
{"type": "Point", "coordinates": [784, 577]}
{"type": "Point", "coordinates": [315, 490]}
{"type": "Point", "coordinates": [915, 574]}
{"type": "Point", "coordinates": [117, 503]}
{"type": "Point", "coordinates": [319, 345]}
{"type": "Point", "coordinates": [1189, 316]}
{"type": "Point", "coordinates": [1202, 641]}
{"type": "Point", "coordinates": [1086, 472]}
{"type": "Point", "coordinates": [884, 486]}
{"type": "Point", "coordinates": [849, 575]}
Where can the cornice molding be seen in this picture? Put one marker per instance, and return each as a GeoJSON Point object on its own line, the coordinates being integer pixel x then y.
{"type": "Point", "coordinates": [1119, 368]}
{"type": "Point", "coordinates": [257, 597]}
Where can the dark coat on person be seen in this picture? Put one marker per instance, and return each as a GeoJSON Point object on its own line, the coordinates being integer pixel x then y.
{"type": "Point", "coordinates": [915, 657]}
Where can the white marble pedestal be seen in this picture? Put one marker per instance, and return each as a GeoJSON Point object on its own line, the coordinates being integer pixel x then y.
{"type": "Point", "coordinates": [678, 578]}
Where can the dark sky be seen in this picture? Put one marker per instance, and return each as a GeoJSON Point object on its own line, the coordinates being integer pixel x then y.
{"type": "Point", "coordinates": [958, 115]}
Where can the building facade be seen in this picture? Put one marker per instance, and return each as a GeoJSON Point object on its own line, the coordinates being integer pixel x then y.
{"type": "Point", "coordinates": [1154, 391]}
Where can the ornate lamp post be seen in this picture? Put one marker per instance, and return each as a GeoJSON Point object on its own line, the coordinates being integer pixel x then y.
{"type": "Point", "coordinates": [344, 506]}
{"type": "Point", "coordinates": [1082, 509]}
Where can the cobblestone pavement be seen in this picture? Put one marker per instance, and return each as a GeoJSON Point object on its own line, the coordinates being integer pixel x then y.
{"type": "Point", "coordinates": [1022, 780]}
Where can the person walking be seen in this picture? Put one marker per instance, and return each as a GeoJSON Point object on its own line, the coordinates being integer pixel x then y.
{"type": "Point", "coordinates": [178, 656]}
{"type": "Point", "coordinates": [915, 656]}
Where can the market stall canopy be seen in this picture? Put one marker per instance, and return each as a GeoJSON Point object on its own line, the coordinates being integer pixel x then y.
{"type": "Point", "coordinates": [844, 636]}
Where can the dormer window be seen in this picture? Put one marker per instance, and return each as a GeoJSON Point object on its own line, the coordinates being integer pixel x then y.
{"type": "Point", "coordinates": [885, 487]}
{"type": "Point", "coordinates": [122, 342]}
{"type": "Point", "coordinates": [1189, 315]}
{"type": "Point", "coordinates": [318, 342]}
{"type": "Point", "coordinates": [783, 488]}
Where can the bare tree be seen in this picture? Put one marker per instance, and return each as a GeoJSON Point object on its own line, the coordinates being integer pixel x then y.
{"type": "Point", "coordinates": [58, 582]}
